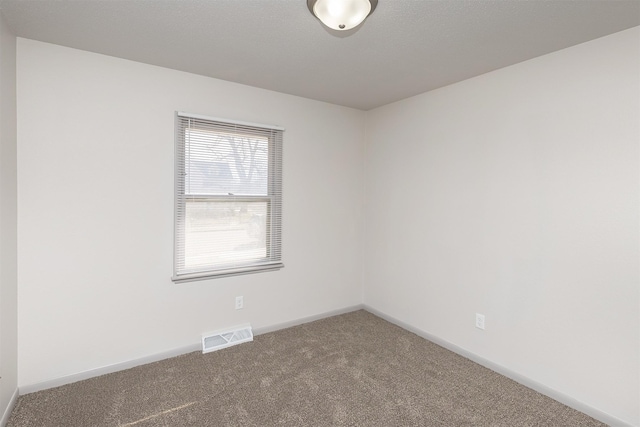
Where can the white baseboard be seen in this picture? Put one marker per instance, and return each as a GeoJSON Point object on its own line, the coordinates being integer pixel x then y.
{"type": "Point", "coordinates": [68, 379]}
{"type": "Point", "coordinates": [7, 412]}
{"type": "Point", "coordinates": [291, 323]}
{"type": "Point", "coordinates": [528, 382]}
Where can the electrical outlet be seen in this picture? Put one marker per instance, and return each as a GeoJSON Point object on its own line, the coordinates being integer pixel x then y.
{"type": "Point", "coordinates": [239, 303]}
{"type": "Point", "coordinates": [480, 321]}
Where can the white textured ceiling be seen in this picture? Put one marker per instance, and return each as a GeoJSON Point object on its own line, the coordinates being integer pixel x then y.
{"type": "Point", "coordinates": [405, 47]}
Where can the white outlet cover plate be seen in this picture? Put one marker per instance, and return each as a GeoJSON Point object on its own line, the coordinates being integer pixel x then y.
{"type": "Point", "coordinates": [480, 321]}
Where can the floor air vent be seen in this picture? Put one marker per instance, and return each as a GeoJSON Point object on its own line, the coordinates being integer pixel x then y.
{"type": "Point", "coordinates": [213, 341]}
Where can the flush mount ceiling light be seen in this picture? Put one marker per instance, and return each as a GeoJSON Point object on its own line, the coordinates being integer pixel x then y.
{"type": "Point", "coordinates": [341, 15]}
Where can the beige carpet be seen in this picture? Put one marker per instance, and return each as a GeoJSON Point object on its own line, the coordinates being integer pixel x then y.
{"type": "Point", "coordinates": [350, 370]}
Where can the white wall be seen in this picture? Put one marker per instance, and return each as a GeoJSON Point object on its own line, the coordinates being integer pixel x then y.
{"type": "Point", "coordinates": [8, 221]}
{"type": "Point", "coordinates": [95, 179]}
{"type": "Point", "coordinates": [515, 195]}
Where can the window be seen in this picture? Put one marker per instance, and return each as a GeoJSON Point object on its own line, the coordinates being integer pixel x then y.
{"type": "Point", "coordinates": [228, 198]}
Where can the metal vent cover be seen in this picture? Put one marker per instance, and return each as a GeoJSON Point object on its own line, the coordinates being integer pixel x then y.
{"type": "Point", "coordinates": [218, 340]}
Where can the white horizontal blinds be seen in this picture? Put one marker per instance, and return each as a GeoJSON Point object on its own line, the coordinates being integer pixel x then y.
{"type": "Point", "coordinates": [228, 197]}
{"type": "Point", "coordinates": [274, 236]}
{"type": "Point", "coordinates": [225, 160]}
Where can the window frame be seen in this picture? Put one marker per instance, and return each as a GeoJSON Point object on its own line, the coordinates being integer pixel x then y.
{"type": "Point", "coordinates": [273, 230]}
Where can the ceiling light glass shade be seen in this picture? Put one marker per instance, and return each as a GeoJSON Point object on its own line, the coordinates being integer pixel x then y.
{"type": "Point", "coordinates": [342, 14]}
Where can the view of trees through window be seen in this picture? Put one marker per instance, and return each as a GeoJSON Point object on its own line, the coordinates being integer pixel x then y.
{"type": "Point", "coordinates": [227, 201]}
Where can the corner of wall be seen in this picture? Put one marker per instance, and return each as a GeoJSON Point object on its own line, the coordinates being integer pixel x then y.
{"type": "Point", "coordinates": [8, 224]}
